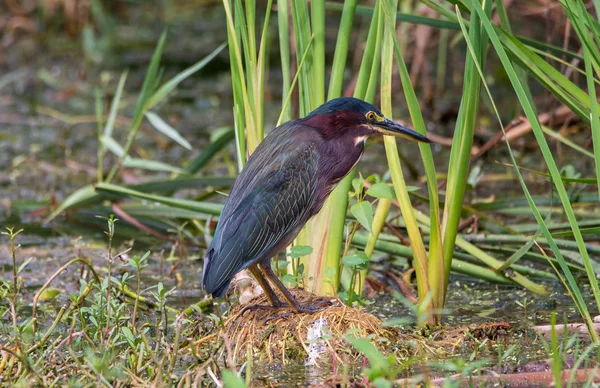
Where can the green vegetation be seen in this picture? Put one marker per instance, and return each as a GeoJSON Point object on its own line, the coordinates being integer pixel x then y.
{"type": "Point", "coordinates": [416, 221]}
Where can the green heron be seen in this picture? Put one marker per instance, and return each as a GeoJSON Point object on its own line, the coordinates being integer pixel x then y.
{"type": "Point", "coordinates": [285, 182]}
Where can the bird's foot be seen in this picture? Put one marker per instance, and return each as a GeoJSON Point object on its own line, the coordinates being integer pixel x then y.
{"type": "Point", "coordinates": [314, 308]}
{"type": "Point", "coordinates": [277, 306]}
{"type": "Point", "coordinates": [319, 306]}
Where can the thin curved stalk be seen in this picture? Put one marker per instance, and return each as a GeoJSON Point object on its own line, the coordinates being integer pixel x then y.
{"type": "Point", "coordinates": [391, 150]}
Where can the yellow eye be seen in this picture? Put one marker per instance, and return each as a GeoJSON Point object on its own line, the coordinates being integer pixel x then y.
{"type": "Point", "coordinates": [371, 116]}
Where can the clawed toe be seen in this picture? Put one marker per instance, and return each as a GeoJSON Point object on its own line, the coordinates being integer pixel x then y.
{"type": "Point", "coordinates": [263, 307]}
{"type": "Point", "coordinates": [277, 316]}
{"type": "Point", "coordinates": [256, 307]}
{"type": "Point", "coordinates": [314, 308]}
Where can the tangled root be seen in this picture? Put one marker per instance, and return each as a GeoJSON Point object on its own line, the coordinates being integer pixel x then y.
{"type": "Point", "coordinates": [282, 335]}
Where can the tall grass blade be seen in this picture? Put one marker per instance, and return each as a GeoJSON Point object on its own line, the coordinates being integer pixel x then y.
{"type": "Point", "coordinates": [317, 14]}
{"type": "Point", "coordinates": [391, 149]}
{"type": "Point", "coordinates": [147, 87]}
{"type": "Point", "coordinates": [302, 35]}
{"type": "Point", "coordinates": [336, 206]}
{"type": "Point", "coordinates": [436, 271]}
{"type": "Point", "coordinates": [80, 197]}
{"type": "Point", "coordinates": [284, 53]}
{"type": "Point", "coordinates": [151, 165]}
{"type": "Point", "coordinates": [99, 118]}
{"type": "Point", "coordinates": [166, 88]}
{"type": "Point", "coordinates": [594, 118]}
{"type": "Point", "coordinates": [460, 154]}
{"type": "Point", "coordinates": [243, 113]}
{"type": "Point", "coordinates": [114, 108]}
{"type": "Point", "coordinates": [340, 55]}
{"type": "Point", "coordinates": [123, 192]}
{"type": "Point", "coordinates": [288, 98]}
{"type": "Point", "coordinates": [527, 105]}
{"type": "Point", "coordinates": [209, 152]}
{"type": "Point", "coordinates": [163, 127]}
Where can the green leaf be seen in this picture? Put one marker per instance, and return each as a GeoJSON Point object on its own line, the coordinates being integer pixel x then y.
{"type": "Point", "coordinates": [363, 212]}
{"type": "Point", "coordinates": [203, 207]}
{"type": "Point", "coordinates": [289, 280]}
{"type": "Point", "coordinates": [330, 272]}
{"type": "Point", "coordinates": [171, 185]}
{"type": "Point", "coordinates": [49, 294]}
{"type": "Point", "coordinates": [167, 130]}
{"type": "Point", "coordinates": [358, 184]}
{"type": "Point", "coordinates": [376, 359]}
{"type": "Point", "coordinates": [24, 264]}
{"type": "Point", "coordinates": [382, 383]}
{"type": "Point", "coordinates": [282, 264]}
{"type": "Point", "coordinates": [300, 250]}
{"type": "Point", "coordinates": [384, 190]}
{"type": "Point", "coordinates": [357, 260]}
{"type": "Point", "coordinates": [114, 107]}
{"type": "Point", "coordinates": [381, 190]}
{"type": "Point", "coordinates": [516, 256]}
{"type": "Point", "coordinates": [150, 81]}
{"type": "Point", "coordinates": [112, 145]}
{"type": "Point", "coordinates": [231, 380]}
{"type": "Point", "coordinates": [128, 334]}
{"type": "Point", "coordinates": [394, 322]}
{"type": "Point", "coordinates": [171, 84]}
{"type": "Point", "coordinates": [595, 231]}
{"type": "Point", "coordinates": [210, 151]}
{"type": "Point", "coordinates": [83, 196]}
{"type": "Point", "coordinates": [152, 165]}
{"type": "Point", "coordinates": [343, 295]}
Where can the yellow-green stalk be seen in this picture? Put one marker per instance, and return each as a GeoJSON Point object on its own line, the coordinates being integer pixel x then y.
{"type": "Point", "coordinates": [436, 267]}
{"type": "Point", "coordinates": [419, 254]}
{"type": "Point", "coordinates": [460, 154]}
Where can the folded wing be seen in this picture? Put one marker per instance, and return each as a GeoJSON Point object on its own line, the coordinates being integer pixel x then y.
{"type": "Point", "coordinates": [275, 204]}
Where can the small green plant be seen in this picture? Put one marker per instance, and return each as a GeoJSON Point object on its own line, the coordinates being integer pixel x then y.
{"type": "Point", "coordinates": [503, 355]}
{"type": "Point", "coordinates": [139, 263]}
{"type": "Point", "coordinates": [356, 263]}
{"type": "Point", "coordinates": [13, 247]}
{"type": "Point", "coordinates": [297, 276]}
{"type": "Point", "coordinates": [382, 370]}
{"type": "Point", "coordinates": [160, 295]}
{"type": "Point", "coordinates": [232, 379]}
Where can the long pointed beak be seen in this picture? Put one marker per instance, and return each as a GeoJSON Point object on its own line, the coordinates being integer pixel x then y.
{"type": "Point", "coordinates": [389, 127]}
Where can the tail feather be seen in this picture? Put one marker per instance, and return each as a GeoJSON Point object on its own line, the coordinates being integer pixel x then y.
{"type": "Point", "coordinates": [208, 282]}
{"type": "Point", "coordinates": [206, 269]}
{"type": "Point", "coordinates": [221, 290]}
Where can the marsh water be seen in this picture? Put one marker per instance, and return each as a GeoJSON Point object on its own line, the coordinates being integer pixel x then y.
{"type": "Point", "coordinates": [48, 145]}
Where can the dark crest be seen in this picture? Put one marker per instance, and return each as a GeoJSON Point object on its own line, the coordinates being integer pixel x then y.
{"type": "Point", "coordinates": [345, 104]}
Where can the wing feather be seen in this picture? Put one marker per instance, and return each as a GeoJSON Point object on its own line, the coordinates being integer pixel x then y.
{"type": "Point", "coordinates": [273, 208]}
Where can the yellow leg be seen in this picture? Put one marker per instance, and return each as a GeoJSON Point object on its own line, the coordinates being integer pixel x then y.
{"type": "Point", "coordinates": [258, 275]}
{"type": "Point", "coordinates": [287, 295]}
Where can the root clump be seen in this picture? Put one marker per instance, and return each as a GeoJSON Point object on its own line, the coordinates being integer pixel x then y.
{"type": "Point", "coordinates": [283, 335]}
